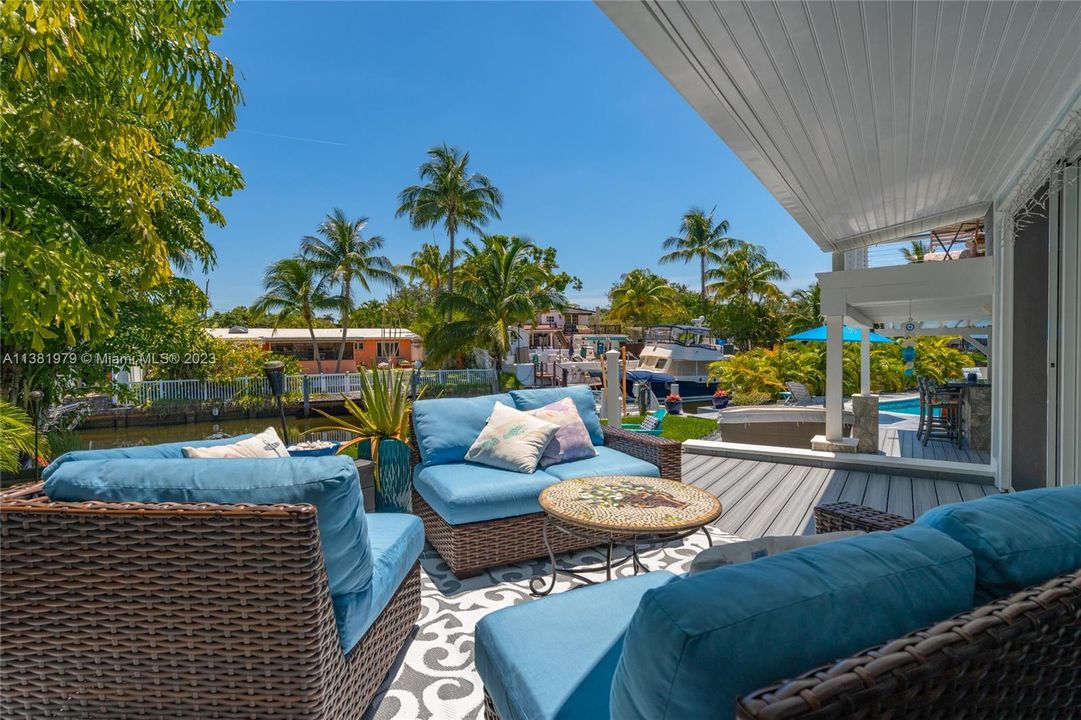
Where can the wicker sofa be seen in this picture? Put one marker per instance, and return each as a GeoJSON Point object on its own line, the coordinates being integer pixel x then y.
{"type": "Point", "coordinates": [170, 609]}
{"type": "Point", "coordinates": [472, 537]}
{"type": "Point", "coordinates": [1015, 656]}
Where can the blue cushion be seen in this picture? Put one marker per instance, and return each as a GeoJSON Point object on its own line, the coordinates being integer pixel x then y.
{"type": "Point", "coordinates": [580, 394]}
{"type": "Point", "coordinates": [467, 492]}
{"type": "Point", "coordinates": [1019, 539]}
{"type": "Point", "coordinates": [397, 541]}
{"type": "Point", "coordinates": [607, 462]}
{"type": "Point", "coordinates": [445, 428]}
{"type": "Point", "coordinates": [329, 483]}
{"type": "Point", "coordinates": [147, 452]}
{"type": "Point", "coordinates": [554, 658]}
{"type": "Point", "coordinates": [696, 645]}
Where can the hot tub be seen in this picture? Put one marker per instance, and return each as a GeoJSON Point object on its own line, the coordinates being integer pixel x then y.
{"type": "Point", "coordinates": [775, 425]}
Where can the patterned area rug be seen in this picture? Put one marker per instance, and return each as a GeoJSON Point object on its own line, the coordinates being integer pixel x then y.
{"type": "Point", "coordinates": [434, 678]}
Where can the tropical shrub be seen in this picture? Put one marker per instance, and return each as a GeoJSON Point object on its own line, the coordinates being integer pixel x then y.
{"type": "Point", "coordinates": [766, 370]}
{"type": "Point", "coordinates": [17, 437]}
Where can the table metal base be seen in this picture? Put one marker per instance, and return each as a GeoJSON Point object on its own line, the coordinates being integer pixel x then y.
{"type": "Point", "coordinates": [543, 585]}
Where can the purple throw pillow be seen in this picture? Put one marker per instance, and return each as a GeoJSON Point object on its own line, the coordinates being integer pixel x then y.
{"type": "Point", "coordinates": [571, 441]}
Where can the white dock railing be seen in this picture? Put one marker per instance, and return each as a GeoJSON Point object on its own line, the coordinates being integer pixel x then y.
{"type": "Point", "coordinates": [150, 391]}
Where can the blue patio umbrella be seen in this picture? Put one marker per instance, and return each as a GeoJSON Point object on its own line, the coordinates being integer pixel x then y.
{"type": "Point", "coordinates": [848, 334]}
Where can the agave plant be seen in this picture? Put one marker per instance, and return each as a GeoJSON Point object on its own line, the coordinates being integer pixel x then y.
{"type": "Point", "coordinates": [383, 413]}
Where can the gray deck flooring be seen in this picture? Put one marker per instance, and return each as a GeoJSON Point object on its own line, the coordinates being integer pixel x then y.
{"type": "Point", "coordinates": [899, 440]}
{"type": "Point", "coordinates": [765, 498]}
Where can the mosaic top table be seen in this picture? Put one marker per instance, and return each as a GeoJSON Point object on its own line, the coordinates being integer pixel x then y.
{"type": "Point", "coordinates": [621, 510]}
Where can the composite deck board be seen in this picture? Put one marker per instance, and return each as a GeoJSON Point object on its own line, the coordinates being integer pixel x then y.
{"type": "Point", "coordinates": [771, 509]}
{"type": "Point", "coordinates": [902, 441]}
{"type": "Point", "coordinates": [765, 498]}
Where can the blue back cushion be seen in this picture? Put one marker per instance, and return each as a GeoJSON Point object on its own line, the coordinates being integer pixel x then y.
{"type": "Point", "coordinates": [697, 644]}
{"type": "Point", "coordinates": [329, 483]}
{"type": "Point", "coordinates": [583, 402]}
{"type": "Point", "coordinates": [161, 451]}
{"type": "Point", "coordinates": [1018, 539]}
{"type": "Point", "coordinates": [445, 428]}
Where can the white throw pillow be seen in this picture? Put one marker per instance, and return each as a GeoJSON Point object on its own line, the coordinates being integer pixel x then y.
{"type": "Point", "coordinates": [512, 440]}
{"type": "Point", "coordinates": [266, 444]}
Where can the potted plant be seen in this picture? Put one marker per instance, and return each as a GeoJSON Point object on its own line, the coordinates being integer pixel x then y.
{"type": "Point", "coordinates": [382, 420]}
{"type": "Point", "coordinates": [721, 399]}
{"type": "Point", "coordinates": [674, 404]}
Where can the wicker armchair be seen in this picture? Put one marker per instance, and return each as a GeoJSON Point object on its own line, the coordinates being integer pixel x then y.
{"type": "Point", "coordinates": [1018, 657]}
{"type": "Point", "coordinates": [179, 610]}
{"type": "Point", "coordinates": [471, 547]}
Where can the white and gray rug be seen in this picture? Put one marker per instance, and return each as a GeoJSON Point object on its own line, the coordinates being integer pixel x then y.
{"type": "Point", "coordinates": [434, 678]}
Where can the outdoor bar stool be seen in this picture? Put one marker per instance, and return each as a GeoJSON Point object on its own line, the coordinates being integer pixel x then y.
{"type": "Point", "coordinates": [947, 423]}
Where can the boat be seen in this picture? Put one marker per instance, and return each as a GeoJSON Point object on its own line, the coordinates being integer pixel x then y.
{"type": "Point", "coordinates": [676, 354]}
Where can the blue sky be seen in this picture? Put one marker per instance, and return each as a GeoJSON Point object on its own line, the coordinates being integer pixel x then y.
{"type": "Point", "coordinates": [594, 151]}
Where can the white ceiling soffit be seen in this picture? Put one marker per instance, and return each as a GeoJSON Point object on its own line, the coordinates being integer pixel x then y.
{"type": "Point", "coordinates": [870, 121]}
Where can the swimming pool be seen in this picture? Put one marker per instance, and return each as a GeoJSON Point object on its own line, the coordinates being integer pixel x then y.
{"type": "Point", "coordinates": [911, 406]}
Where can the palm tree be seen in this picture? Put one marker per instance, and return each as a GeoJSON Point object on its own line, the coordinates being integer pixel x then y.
{"type": "Point", "coordinates": [293, 285]}
{"type": "Point", "coordinates": [502, 288]}
{"type": "Point", "coordinates": [700, 240]}
{"type": "Point", "coordinates": [640, 297]}
{"type": "Point", "coordinates": [342, 254]}
{"type": "Point", "coordinates": [428, 265]}
{"type": "Point", "coordinates": [747, 272]}
{"type": "Point", "coordinates": [804, 309]}
{"type": "Point", "coordinates": [915, 252]}
{"type": "Point", "coordinates": [452, 195]}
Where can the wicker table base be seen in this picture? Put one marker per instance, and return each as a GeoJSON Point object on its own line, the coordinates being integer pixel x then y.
{"type": "Point", "coordinates": [627, 511]}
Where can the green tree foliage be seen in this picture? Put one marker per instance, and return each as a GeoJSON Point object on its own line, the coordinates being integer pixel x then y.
{"type": "Point", "coordinates": [341, 253]}
{"type": "Point", "coordinates": [105, 109]}
{"type": "Point", "coordinates": [234, 360]}
{"type": "Point", "coordinates": [803, 310]}
{"type": "Point", "coordinates": [766, 370]}
{"type": "Point", "coordinates": [915, 252]}
{"type": "Point", "coordinates": [295, 288]}
{"type": "Point", "coordinates": [747, 272]}
{"type": "Point", "coordinates": [250, 316]}
{"type": "Point", "coordinates": [700, 240]}
{"type": "Point", "coordinates": [641, 298]}
{"type": "Point", "coordinates": [165, 326]}
{"type": "Point", "coordinates": [502, 285]}
{"type": "Point", "coordinates": [17, 437]}
{"type": "Point", "coordinates": [428, 266]}
{"type": "Point", "coordinates": [452, 195]}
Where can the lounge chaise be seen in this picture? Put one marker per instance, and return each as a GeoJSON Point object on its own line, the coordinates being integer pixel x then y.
{"type": "Point", "coordinates": [137, 591]}
{"type": "Point", "coordinates": [973, 611]}
{"type": "Point", "coordinates": [479, 517]}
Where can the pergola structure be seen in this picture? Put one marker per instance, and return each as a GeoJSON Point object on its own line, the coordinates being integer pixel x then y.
{"type": "Point", "coordinates": [937, 298]}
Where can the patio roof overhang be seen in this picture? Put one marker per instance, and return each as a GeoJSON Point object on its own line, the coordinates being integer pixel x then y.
{"type": "Point", "coordinates": [870, 122]}
{"type": "Point", "coordinates": [957, 292]}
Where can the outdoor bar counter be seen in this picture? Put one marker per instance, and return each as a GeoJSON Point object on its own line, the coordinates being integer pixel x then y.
{"type": "Point", "coordinates": [976, 412]}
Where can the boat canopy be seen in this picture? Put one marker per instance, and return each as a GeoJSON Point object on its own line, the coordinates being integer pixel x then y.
{"type": "Point", "coordinates": [680, 335]}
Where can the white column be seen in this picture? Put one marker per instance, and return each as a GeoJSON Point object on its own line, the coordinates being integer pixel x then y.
{"type": "Point", "coordinates": [613, 399]}
{"type": "Point", "coordinates": [865, 361]}
{"type": "Point", "coordinates": [834, 378]}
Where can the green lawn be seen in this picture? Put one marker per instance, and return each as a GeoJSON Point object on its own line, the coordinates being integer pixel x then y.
{"type": "Point", "coordinates": [681, 427]}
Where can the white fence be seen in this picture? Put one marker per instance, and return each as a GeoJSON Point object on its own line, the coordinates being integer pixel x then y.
{"type": "Point", "coordinates": [150, 391]}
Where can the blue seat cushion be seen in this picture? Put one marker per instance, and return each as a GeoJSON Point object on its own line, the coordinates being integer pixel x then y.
{"type": "Point", "coordinates": [330, 484]}
{"type": "Point", "coordinates": [607, 462]}
{"type": "Point", "coordinates": [1019, 539]}
{"type": "Point", "coordinates": [446, 427]}
{"type": "Point", "coordinates": [580, 394]}
{"type": "Point", "coordinates": [697, 644]}
{"type": "Point", "coordinates": [554, 657]}
{"type": "Point", "coordinates": [466, 492]}
{"type": "Point", "coordinates": [146, 452]}
{"type": "Point", "coordinates": [397, 540]}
